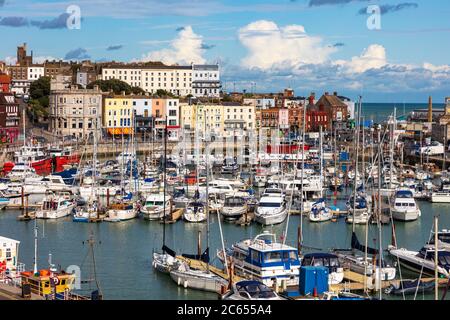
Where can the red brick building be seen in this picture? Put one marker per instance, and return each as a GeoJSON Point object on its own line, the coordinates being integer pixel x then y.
{"type": "Point", "coordinates": [9, 118]}
{"type": "Point", "coordinates": [317, 116]}
{"type": "Point", "coordinates": [5, 83]}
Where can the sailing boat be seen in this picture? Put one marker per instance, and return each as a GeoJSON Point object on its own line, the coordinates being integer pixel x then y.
{"type": "Point", "coordinates": [319, 211]}
{"type": "Point", "coordinates": [126, 208]}
{"type": "Point", "coordinates": [166, 261]}
{"type": "Point", "coordinates": [90, 211]}
{"type": "Point", "coordinates": [200, 279]}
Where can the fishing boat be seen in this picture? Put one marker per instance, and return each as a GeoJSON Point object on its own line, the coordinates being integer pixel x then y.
{"type": "Point", "coordinates": [271, 210]}
{"type": "Point", "coordinates": [328, 260]}
{"type": "Point", "coordinates": [54, 207]}
{"type": "Point", "coordinates": [195, 212]}
{"type": "Point", "coordinates": [441, 196]}
{"type": "Point", "coordinates": [234, 207]}
{"type": "Point", "coordinates": [250, 290]}
{"type": "Point", "coordinates": [63, 156]}
{"type": "Point", "coordinates": [154, 207]}
{"type": "Point", "coordinates": [403, 206]}
{"type": "Point", "coordinates": [422, 261]}
{"type": "Point", "coordinates": [32, 155]}
{"type": "Point", "coordinates": [320, 212]}
{"type": "Point", "coordinates": [264, 259]}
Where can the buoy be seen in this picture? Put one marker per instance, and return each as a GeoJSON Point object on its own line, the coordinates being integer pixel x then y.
{"type": "Point", "coordinates": [185, 284]}
{"type": "Point", "coordinates": [315, 293]}
{"type": "Point", "coordinates": [179, 281]}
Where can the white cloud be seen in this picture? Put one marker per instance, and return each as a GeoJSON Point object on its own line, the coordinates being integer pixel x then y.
{"type": "Point", "coordinates": [184, 49]}
{"type": "Point", "coordinates": [374, 57]}
{"type": "Point", "coordinates": [270, 46]}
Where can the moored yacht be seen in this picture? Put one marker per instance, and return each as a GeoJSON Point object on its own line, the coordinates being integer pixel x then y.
{"type": "Point", "coordinates": [264, 259]}
{"type": "Point", "coordinates": [234, 207]}
{"type": "Point", "coordinates": [441, 196]}
{"type": "Point", "coordinates": [404, 206]}
{"type": "Point", "coordinates": [153, 207]}
{"type": "Point", "coordinates": [54, 207]}
{"type": "Point", "coordinates": [251, 290]}
{"type": "Point", "coordinates": [271, 210]}
{"type": "Point", "coordinates": [320, 212]}
{"type": "Point", "coordinates": [328, 260]}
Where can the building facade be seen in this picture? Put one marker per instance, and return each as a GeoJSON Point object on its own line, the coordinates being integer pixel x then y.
{"type": "Point", "coordinates": [9, 118]}
{"type": "Point", "coordinates": [206, 81]}
{"type": "Point", "coordinates": [75, 112]}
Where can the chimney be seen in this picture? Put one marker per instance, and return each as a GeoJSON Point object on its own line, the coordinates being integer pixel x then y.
{"type": "Point", "coordinates": [311, 98]}
{"type": "Point", "coordinates": [335, 93]}
{"type": "Point", "coordinates": [123, 93]}
{"type": "Point", "coordinates": [430, 109]}
{"type": "Point", "coordinates": [327, 93]}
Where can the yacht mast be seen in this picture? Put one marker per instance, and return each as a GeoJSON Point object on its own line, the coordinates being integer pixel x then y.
{"type": "Point", "coordinates": [356, 163]}
{"type": "Point", "coordinates": [164, 186]}
{"type": "Point", "coordinates": [302, 205]}
{"type": "Point", "coordinates": [207, 191]}
{"type": "Point", "coordinates": [436, 258]}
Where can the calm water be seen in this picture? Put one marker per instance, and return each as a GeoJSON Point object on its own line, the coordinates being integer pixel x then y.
{"type": "Point", "coordinates": [124, 255]}
{"type": "Point", "coordinates": [380, 111]}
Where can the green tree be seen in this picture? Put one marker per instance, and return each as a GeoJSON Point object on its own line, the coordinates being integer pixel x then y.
{"type": "Point", "coordinates": [137, 90]}
{"type": "Point", "coordinates": [164, 93]}
{"type": "Point", "coordinates": [40, 88]}
{"type": "Point", "coordinates": [115, 85]}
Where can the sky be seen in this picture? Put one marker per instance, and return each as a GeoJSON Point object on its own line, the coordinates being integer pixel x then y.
{"type": "Point", "coordinates": [398, 52]}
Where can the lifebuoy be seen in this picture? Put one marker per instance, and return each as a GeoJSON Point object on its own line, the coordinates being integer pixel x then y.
{"type": "Point", "coordinates": [55, 280]}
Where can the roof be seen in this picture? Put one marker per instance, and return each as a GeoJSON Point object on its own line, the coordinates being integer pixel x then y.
{"type": "Point", "coordinates": [330, 100]}
{"type": "Point", "coordinates": [4, 239]}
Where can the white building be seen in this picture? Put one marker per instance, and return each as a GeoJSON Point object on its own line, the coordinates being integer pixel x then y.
{"type": "Point", "coordinates": [142, 106]}
{"type": "Point", "coordinates": [174, 79]}
{"type": "Point", "coordinates": [260, 103]}
{"type": "Point", "coordinates": [239, 117]}
{"type": "Point", "coordinates": [9, 252]}
{"type": "Point", "coordinates": [206, 80]}
{"type": "Point", "coordinates": [35, 72]}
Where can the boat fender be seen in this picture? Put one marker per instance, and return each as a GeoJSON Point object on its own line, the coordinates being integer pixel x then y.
{"type": "Point", "coordinates": [185, 284]}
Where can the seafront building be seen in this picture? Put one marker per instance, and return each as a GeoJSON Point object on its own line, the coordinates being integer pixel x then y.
{"type": "Point", "coordinates": [9, 118]}
{"type": "Point", "coordinates": [74, 112]}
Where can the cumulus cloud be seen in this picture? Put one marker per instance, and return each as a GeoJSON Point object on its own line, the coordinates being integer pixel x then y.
{"type": "Point", "coordinates": [186, 48]}
{"type": "Point", "coordinates": [77, 54]}
{"type": "Point", "coordinates": [373, 57]}
{"type": "Point", "coordinates": [270, 46]}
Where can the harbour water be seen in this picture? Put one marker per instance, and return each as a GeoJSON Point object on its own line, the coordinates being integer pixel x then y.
{"type": "Point", "coordinates": [124, 249]}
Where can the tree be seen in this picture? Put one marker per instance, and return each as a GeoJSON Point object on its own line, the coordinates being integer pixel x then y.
{"type": "Point", "coordinates": [115, 85]}
{"type": "Point", "coordinates": [137, 90]}
{"type": "Point", "coordinates": [40, 88]}
{"type": "Point", "coordinates": [164, 93]}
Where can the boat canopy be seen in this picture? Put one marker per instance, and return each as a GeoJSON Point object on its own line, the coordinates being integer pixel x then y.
{"type": "Point", "coordinates": [255, 289]}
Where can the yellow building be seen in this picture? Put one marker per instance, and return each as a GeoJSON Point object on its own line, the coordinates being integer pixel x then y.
{"type": "Point", "coordinates": [117, 114]}
{"type": "Point", "coordinates": [195, 117]}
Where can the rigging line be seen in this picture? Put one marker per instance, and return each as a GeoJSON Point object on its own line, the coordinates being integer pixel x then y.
{"type": "Point", "coordinates": [421, 270]}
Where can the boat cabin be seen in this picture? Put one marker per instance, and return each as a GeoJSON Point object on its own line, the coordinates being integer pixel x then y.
{"type": "Point", "coordinates": [46, 282]}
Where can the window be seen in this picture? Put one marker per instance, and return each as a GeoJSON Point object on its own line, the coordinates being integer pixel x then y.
{"type": "Point", "coordinates": [173, 113]}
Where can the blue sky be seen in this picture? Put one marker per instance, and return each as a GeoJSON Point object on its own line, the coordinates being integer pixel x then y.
{"type": "Point", "coordinates": [310, 45]}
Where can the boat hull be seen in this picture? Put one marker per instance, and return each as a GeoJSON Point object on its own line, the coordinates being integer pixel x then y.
{"type": "Point", "coordinates": [405, 215]}
{"type": "Point", "coordinates": [55, 214]}
{"type": "Point", "coordinates": [271, 219]}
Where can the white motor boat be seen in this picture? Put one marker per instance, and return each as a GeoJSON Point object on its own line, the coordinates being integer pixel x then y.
{"type": "Point", "coordinates": [422, 261]}
{"type": "Point", "coordinates": [121, 211]}
{"type": "Point", "coordinates": [195, 212]}
{"type": "Point", "coordinates": [153, 207]}
{"type": "Point", "coordinates": [251, 290]}
{"type": "Point", "coordinates": [404, 206]}
{"type": "Point", "coordinates": [234, 207]}
{"type": "Point", "coordinates": [54, 207]}
{"type": "Point", "coordinates": [271, 210]}
{"type": "Point", "coordinates": [441, 196]}
{"type": "Point", "coordinates": [328, 260]}
{"type": "Point", "coordinates": [264, 259]}
{"type": "Point", "coordinates": [320, 212]}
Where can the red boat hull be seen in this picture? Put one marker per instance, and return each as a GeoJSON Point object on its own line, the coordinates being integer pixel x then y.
{"type": "Point", "coordinates": [42, 167]}
{"type": "Point", "coordinates": [60, 161]}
